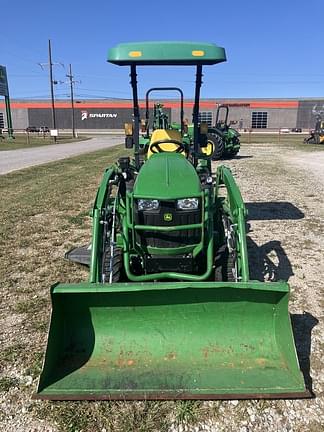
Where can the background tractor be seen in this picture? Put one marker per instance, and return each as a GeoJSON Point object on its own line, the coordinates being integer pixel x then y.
{"type": "Point", "coordinates": [317, 134]}
{"type": "Point", "coordinates": [159, 120]}
{"type": "Point", "coordinates": [169, 311]}
{"type": "Point", "coordinates": [219, 141]}
{"type": "Point", "coordinates": [222, 137]}
{"type": "Point", "coordinates": [222, 140]}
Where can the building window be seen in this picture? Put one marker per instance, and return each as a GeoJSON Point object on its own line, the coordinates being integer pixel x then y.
{"type": "Point", "coordinates": [206, 117]}
{"type": "Point", "coordinates": [1, 121]}
{"type": "Point", "coordinates": [259, 120]}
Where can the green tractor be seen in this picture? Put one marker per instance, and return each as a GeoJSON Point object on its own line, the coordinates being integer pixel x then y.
{"type": "Point", "coordinates": [223, 139]}
{"type": "Point", "coordinates": [169, 311]}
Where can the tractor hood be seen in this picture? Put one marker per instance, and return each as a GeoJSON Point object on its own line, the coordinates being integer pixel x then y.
{"type": "Point", "coordinates": [167, 176]}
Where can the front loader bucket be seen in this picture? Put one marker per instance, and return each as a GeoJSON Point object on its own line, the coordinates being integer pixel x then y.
{"type": "Point", "coordinates": [178, 340]}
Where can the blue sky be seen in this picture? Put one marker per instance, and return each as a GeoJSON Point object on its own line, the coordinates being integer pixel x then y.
{"type": "Point", "coordinates": [274, 48]}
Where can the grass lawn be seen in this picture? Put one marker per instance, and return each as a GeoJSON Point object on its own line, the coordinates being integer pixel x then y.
{"type": "Point", "coordinates": [296, 140]}
{"type": "Point", "coordinates": [273, 138]}
{"type": "Point", "coordinates": [34, 140]}
{"type": "Point", "coordinates": [292, 141]}
{"type": "Point", "coordinates": [43, 213]}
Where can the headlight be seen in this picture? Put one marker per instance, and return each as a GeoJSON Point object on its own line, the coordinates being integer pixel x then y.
{"type": "Point", "coordinates": [187, 204]}
{"type": "Point", "coordinates": [148, 204]}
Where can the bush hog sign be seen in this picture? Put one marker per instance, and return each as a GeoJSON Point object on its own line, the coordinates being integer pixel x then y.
{"type": "Point", "coordinates": [86, 115]}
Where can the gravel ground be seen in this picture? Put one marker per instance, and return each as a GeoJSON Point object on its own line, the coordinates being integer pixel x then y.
{"type": "Point", "coordinates": [13, 160]}
{"type": "Point", "coordinates": [283, 188]}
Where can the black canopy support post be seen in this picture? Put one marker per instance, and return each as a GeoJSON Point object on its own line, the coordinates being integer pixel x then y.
{"type": "Point", "coordinates": [147, 110]}
{"type": "Point", "coordinates": [195, 114]}
{"type": "Point", "coordinates": [136, 115]}
{"type": "Point", "coordinates": [182, 114]}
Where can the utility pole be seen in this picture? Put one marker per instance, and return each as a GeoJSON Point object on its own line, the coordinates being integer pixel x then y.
{"type": "Point", "coordinates": [51, 85]}
{"type": "Point", "coordinates": [52, 82]}
{"type": "Point", "coordinates": [71, 81]}
{"type": "Point", "coordinates": [70, 76]}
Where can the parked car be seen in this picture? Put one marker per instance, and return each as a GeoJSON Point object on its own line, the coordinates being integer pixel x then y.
{"type": "Point", "coordinates": [41, 129]}
{"type": "Point", "coordinates": [32, 129]}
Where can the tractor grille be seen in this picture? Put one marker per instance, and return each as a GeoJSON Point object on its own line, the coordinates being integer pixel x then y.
{"type": "Point", "coordinates": [178, 217]}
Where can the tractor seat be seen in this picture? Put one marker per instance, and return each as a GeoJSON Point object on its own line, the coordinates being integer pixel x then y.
{"type": "Point", "coordinates": [169, 135]}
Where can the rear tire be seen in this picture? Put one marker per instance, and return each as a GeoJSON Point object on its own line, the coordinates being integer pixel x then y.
{"type": "Point", "coordinates": [218, 145]}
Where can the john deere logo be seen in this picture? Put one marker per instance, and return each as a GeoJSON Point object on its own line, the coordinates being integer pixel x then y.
{"type": "Point", "coordinates": [167, 217]}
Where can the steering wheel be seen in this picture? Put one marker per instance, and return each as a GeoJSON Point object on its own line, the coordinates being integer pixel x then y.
{"type": "Point", "coordinates": [155, 147]}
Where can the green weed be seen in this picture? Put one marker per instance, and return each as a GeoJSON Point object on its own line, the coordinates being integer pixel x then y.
{"type": "Point", "coordinates": [7, 382]}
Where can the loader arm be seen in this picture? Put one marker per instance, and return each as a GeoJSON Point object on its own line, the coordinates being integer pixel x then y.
{"type": "Point", "coordinates": [235, 208]}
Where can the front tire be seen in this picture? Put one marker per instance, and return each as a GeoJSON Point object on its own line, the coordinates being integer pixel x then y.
{"type": "Point", "coordinates": [117, 264]}
{"type": "Point", "coordinates": [224, 265]}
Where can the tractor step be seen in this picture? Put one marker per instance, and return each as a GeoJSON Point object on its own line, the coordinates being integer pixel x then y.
{"type": "Point", "coordinates": [80, 255]}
